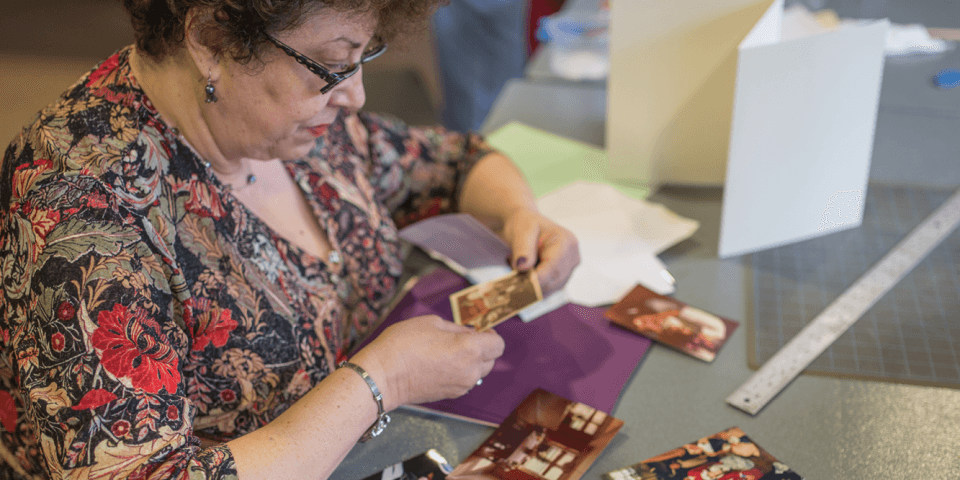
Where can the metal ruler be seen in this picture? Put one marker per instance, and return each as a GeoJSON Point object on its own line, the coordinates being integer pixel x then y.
{"type": "Point", "coordinates": [826, 327]}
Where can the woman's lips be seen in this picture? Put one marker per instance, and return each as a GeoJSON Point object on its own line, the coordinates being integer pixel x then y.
{"type": "Point", "coordinates": [318, 130]}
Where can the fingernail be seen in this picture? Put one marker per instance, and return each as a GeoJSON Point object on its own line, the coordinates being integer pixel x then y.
{"type": "Point", "coordinates": [521, 262]}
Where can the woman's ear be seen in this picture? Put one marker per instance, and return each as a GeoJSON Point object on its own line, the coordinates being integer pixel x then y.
{"type": "Point", "coordinates": [198, 30]}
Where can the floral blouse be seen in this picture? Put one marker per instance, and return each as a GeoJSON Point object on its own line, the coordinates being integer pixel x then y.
{"type": "Point", "coordinates": [143, 305]}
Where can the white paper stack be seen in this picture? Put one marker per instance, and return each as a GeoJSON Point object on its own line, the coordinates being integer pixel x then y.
{"type": "Point", "coordinates": [619, 237]}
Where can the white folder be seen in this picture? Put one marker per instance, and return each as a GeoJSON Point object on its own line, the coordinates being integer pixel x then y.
{"type": "Point", "coordinates": [706, 92]}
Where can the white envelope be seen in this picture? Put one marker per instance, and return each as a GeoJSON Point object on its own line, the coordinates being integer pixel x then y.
{"type": "Point", "coordinates": [707, 92]}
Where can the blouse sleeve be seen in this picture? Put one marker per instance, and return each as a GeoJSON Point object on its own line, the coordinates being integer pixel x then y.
{"type": "Point", "coordinates": [417, 172]}
{"type": "Point", "coordinates": [91, 333]}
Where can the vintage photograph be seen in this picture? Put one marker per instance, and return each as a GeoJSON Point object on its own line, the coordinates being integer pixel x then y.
{"type": "Point", "coordinates": [727, 455]}
{"type": "Point", "coordinates": [672, 323]}
{"type": "Point", "coordinates": [485, 305]}
{"type": "Point", "coordinates": [429, 465]}
{"type": "Point", "coordinates": [546, 438]}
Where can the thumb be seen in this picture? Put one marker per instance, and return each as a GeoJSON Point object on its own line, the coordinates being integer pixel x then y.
{"type": "Point", "coordinates": [523, 246]}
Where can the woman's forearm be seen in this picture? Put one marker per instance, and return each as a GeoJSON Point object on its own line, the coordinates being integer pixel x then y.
{"type": "Point", "coordinates": [496, 193]}
{"type": "Point", "coordinates": [495, 189]}
{"type": "Point", "coordinates": [313, 436]}
{"type": "Point", "coordinates": [422, 359]}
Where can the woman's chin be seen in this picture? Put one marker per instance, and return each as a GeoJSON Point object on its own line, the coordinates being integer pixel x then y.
{"type": "Point", "coordinates": [295, 151]}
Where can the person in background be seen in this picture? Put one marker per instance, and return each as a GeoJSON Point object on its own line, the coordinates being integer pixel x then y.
{"type": "Point", "coordinates": [480, 45]}
{"type": "Point", "coordinates": [195, 234]}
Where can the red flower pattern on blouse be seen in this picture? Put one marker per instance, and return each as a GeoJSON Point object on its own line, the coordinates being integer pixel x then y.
{"type": "Point", "coordinates": [97, 200]}
{"type": "Point", "coordinates": [121, 428]}
{"type": "Point", "coordinates": [204, 201]}
{"type": "Point", "coordinates": [228, 396]}
{"type": "Point", "coordinates": [213, 326]}
{"type": "Point", "coordinates": [94, 399]}
{"type": "Point", "coordinates": [26, 176]}
{"type": "Point", "coordinates": [147, 192]}
{"type": "Point", "coordinates": [108, 66]}
{"type": "Point", "coordinates": [43, 222]}
{"type": "Point", "coordinates": [57, 341]}
{"type": "Point", "coordinates": [133, 349]}
{"type": "Point", "coordinates": [8, 412]}
{"type": "Point", "coordinates": [66, 311]}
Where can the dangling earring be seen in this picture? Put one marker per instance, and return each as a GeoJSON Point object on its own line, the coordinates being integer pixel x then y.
{"type": "Point", "coordinates": [210, 90]}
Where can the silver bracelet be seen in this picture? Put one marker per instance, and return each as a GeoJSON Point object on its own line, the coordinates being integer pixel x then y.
{"type": "Point", "coordinates": [382, 418]}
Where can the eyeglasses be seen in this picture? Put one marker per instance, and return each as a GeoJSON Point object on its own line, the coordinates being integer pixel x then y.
{"type": "Point", "coordinates": [332, 78]}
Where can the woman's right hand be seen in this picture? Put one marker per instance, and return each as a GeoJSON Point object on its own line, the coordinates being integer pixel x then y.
{"type": "Point", "coordinates": [426, 358]}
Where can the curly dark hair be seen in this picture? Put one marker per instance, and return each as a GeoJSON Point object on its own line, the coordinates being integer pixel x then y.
{"type": "Point", "coordinates": [237, 27]}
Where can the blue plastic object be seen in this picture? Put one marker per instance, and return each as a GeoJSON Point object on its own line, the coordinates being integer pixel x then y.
{"type": "Point", "coordinates": [947, 78]}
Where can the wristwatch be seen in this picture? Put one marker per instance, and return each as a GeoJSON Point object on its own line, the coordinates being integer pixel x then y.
{"type": "Point", "coordinates": [382, 418]}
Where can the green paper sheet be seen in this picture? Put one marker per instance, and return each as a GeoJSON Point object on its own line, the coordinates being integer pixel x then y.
{"type": "Point", "coordinates": [549, 161]}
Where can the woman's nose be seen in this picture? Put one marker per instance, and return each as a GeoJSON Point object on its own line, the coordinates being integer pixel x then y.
{"type": "Point", "coordinates": [349, 94]}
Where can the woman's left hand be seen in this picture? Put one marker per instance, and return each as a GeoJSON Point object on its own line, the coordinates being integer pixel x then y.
{"type": "Point", "coordinates": [537, 241]}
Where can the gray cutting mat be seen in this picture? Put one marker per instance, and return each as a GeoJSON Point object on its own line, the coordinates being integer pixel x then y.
{"type": "Point", "coordinates": [912, 335]}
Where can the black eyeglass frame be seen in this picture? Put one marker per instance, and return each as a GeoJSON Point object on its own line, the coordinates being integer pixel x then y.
{"type": "Point", "coordinates": [332, 78]}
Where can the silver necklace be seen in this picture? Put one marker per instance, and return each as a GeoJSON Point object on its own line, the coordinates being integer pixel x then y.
{"type": "Point", "coordinates": [250, 179]}
{"type": "Point", "coordinates": [333, 257]}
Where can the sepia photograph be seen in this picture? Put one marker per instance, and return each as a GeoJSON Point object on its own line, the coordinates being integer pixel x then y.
{"type": "Point", "coordinates": [488, 304]}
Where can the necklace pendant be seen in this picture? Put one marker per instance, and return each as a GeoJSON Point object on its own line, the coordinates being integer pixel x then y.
{"type": "Point", "coordinates": [334, 257]}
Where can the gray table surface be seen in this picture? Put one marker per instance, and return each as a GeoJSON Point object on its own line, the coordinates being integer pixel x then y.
{"type": "Point", "coordinates": [822, 427]}
{"type": "Point", "coordinates": [573, 110]}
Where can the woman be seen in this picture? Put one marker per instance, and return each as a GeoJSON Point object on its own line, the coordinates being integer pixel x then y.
{"type": "Point", "coordinates": [195, 234]}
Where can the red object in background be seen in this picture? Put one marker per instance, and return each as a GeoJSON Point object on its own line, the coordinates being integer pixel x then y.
{"type": "Point", "coordinates": [538, 8]}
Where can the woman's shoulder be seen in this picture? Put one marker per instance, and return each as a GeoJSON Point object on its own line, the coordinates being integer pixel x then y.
{"type": "Point", "coordinates": [102, 127]}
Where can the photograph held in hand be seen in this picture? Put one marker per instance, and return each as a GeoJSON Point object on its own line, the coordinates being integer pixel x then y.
{"type": "Point", "coordinates": [488, 304]}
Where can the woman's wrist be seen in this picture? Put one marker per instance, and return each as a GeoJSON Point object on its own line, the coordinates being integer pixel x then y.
{"type": "Point", "coordinates": [499, 220]}
{"type": "Point", "coordinates": [380, 424]}
{"type": "Point", "coordinates": [370, 362]}
{"type": "Point", "coordinates": [495, 190]}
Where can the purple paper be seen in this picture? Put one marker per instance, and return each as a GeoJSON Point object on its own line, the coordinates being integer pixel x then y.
{"type": "Point", "coordinates": [573, 352]}
{"type": "Point", "coordinates": [459, 237]}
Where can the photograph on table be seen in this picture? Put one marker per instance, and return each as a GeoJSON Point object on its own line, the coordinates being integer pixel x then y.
{"type": "Point", "coordinates": [673, 323]}
{"type": "Point", "coordinates": [547, 437]}
{"type": "Point", "coordinates": [727, 455]}
{"type": "Point", "coordinates": [429, 465]}
{"type": "Point", "coordinates": [488, 304]}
